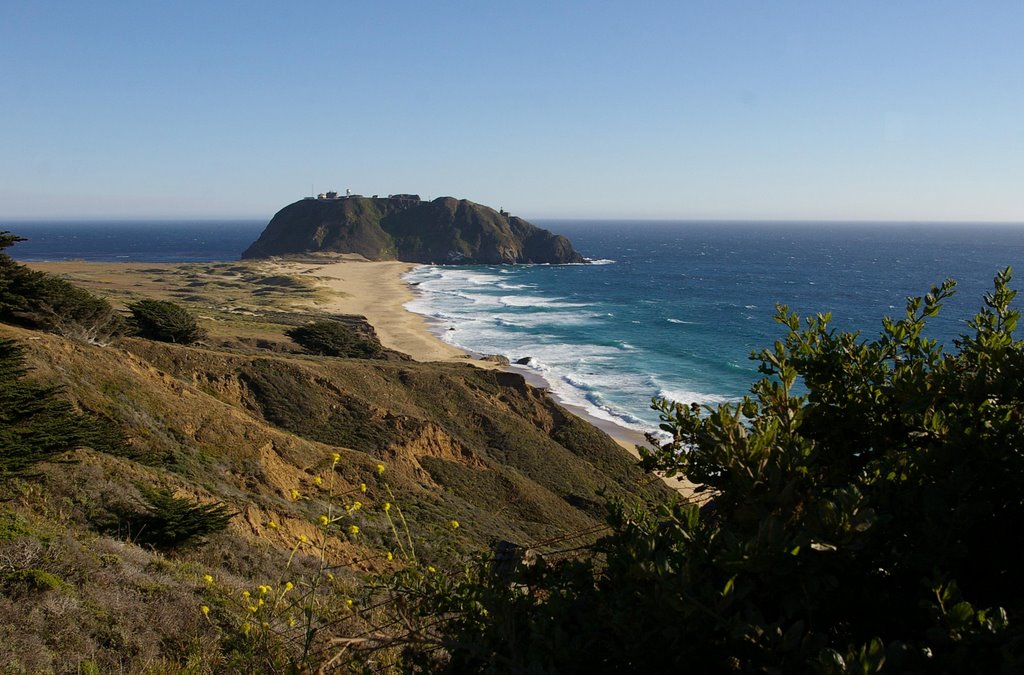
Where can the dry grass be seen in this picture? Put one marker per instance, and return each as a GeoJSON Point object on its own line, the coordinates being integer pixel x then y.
{"type": "Point", "coordinates": [244, 420]}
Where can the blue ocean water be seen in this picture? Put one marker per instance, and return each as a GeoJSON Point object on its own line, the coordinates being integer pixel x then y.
{"type": "Point", "coordinates": [674, 310]}
{"type": "Point", "coordinates": [133, 241]}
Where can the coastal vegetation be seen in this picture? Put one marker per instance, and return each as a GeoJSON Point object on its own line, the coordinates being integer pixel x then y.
{"type": "Point", "coordinates": [45, 302]}
{"type": "Point", "coordinates": [36, 424]}
{"type": "Point", "coordinates": [124, 459]}
{"type": "Point", "coordinates": [165, 321]}
{"type": "Point", "coordinates": [334, 338]}
{"type": "Point", "coordinates": [249, 506]}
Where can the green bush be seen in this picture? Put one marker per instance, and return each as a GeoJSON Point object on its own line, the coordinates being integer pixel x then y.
{"type": "Point", "coordinates": [872, 522]}
{"type": "Point", "coordinates": [171, 522]}
{"type": "Point", "coordinates": [33, 580]}
{"type": "Point", "coordinates": [12, 527]}
{"type": "Point", "coordinates": [333, 338]}
{"type": "Point", "coordinates": [165, 321]}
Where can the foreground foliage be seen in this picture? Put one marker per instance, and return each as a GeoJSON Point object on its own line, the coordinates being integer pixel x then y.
{"type": "Point", "coordinates": [869, 523]}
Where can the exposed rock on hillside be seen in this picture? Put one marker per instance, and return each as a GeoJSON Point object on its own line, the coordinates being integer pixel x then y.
{"type": "Point", "coordinates": [443, 231]}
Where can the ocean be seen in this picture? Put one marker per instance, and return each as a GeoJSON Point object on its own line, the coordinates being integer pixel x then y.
{"type": "Point", "coordinates": [133, 241]}
{"type": "Point", "coordinates": [667, 309]}
{"type": "Point", "coordinates": [674, 309]}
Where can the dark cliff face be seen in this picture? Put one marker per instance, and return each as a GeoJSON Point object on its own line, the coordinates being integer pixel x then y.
{"type": "Point", "coordinates": [443, 231]}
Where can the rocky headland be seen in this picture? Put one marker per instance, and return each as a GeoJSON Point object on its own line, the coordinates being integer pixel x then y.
{"type": "Point", "coordinates": [402, 227]}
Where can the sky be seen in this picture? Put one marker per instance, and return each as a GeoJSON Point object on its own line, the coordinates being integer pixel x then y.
{"type": "Point", "coordinates": [680, 110]}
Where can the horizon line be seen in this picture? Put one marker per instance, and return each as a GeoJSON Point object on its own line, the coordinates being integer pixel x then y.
{"type": "Point", "coordinates": [593, 219]}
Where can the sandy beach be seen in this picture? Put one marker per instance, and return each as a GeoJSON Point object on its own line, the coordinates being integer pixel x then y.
{"type": "Point", "coordinates": [376, 290]}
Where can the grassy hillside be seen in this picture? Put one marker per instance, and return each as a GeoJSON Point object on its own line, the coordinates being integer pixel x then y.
{"type": "Point", "coordinates": [409, 464]}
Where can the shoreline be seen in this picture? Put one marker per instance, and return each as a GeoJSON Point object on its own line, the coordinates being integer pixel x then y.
{"type": "Point", "coordinates": [377, 291]}
{"type": "Point", "coordinates": [627, 438]}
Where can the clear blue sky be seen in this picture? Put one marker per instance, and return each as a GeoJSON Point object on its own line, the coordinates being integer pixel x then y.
{"type": "Point", "coordinates": [719, 109]}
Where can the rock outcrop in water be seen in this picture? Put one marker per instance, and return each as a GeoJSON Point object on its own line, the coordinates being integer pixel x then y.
{"type": "Point", "coordinates": [402, 227]}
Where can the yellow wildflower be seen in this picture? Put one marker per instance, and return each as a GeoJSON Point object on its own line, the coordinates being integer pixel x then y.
{"type": "Point", "coordinates": [348, 602]}
{"type": "Point", "coordinates": [204, 609]}
{"type": "Point", "coordinates": [208, 579]}
{"type": "Point", "coordinates": [317, 480]}
{"type": "Point", "coordinates": [353, 529]}
{"type": "Point", "coordinates": [272, 525]}
{"type": "Point", "coordinates": [356, 506]}
{"type": "Point", "coordinates": [431, 569]}
{"type": "Point", "coordinates": [291, 621]}
{"type": "Point", "coordinates": [362, 487]}
{"type": "Point", "coordinates": [295, 494]}
{"type": "Point", "coordinates": [288, 586]}
{"type": "Point", "coordinates": [454, 524]}
{"type": "Point", "coordinates": [252, 608]}
{"type": "Point", "coordinates": [380, 469]}
{"type": "Point", "coordinates": [303, 539]}
{"type": "Point", "coordinates": [245, 594]}
{"type": "Point", "coordinates": [246, 627]}
{"type": "Point", "coordinates": [264, 589]}
{"type": "Point", "coordinates": [390, 556]}
{"type": "Point", "coordinates": [324, 520]}
{"type": "Point", "coordinates": [330, 576]}
{"type": "Point", "coordinates": [386, 507]}
{"type": "Point", "coordinates": [335, 456]}
{"type": "Point", "coordinates": [260, 603]}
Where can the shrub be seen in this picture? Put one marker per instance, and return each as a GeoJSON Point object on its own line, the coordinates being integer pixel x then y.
{"type": "Point", "coordinates": [333, 338]}
{"type": "Point", "coordinates": [165, 321]}
{"type": "Point", "coordinates": [33, 580]}
{"type": "Point", "coordinates": [172, 522]}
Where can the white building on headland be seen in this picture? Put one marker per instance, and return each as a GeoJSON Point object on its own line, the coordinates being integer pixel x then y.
{"type": "Point", "coordinates": [333, 194]}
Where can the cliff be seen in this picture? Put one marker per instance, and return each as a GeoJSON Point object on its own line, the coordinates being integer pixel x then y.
{"type": "Point", "coordinates": [443, 231]}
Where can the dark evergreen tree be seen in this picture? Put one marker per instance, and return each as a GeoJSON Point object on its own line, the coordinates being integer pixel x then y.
{"type": "Point", "coordinates": [165, 321]}
{"type": "Point", "coordinates": [333, 338]}
{"type": "Point", "coordinates": [45, 302]}
{"type": "Point", "coordinates": [171, 522]}
{"type": "Point", "coordinates": [36, 424]}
